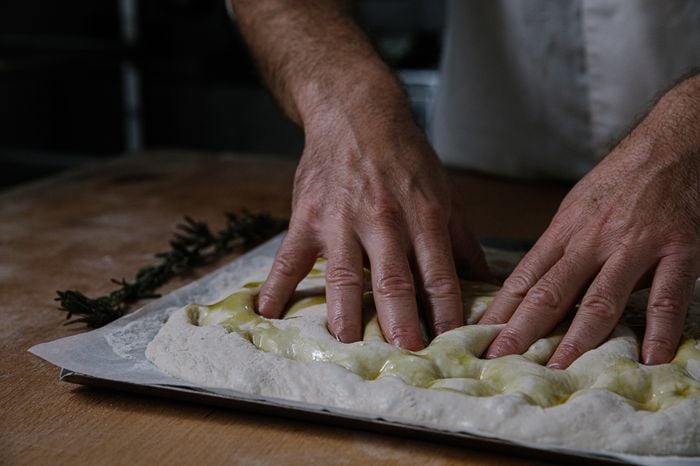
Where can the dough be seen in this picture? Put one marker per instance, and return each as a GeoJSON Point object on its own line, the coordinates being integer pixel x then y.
{"type": "Point", "coordinates": [605, 401]}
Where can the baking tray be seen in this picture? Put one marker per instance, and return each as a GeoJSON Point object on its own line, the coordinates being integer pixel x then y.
{"type": "Point", "coordinates": [341, 418]}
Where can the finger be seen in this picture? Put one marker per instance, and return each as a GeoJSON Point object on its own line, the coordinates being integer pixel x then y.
{"type": "Point", "coordinates": [671, 291]}
{"type": "Point", "coordinates": [393, 290]}
{"type": "Point", "coordinates": [344, 281]}
{"type": "Point", "coordinates": [294, 260]}
{"type": "Point", "coordinates": [545, 305]}
{"type": "Point", "coordinates": [600, 308]}
{"type": "Point", "coordinates": [468, 255]}
{"type": "Point", "coordinates": [438, 279]}
{"type": "Point", "coordinates": [543, 255]}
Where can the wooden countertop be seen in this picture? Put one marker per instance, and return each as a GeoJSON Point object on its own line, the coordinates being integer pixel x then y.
{"type": "Point", "coordinates": [79, 229]}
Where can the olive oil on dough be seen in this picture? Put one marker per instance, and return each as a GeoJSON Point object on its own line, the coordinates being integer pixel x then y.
{"type": "Point", "coordinates": [605, 401]}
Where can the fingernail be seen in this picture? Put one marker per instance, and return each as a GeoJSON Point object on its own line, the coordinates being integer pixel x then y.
{"type": "Point", "coordinates": [555, 365]}
{"type": "Point", "coordinates": [335, 335]}
{"type": "Point", "coordinates": [264, 307]}
{"type": "Point", "coordinates": [261, 304]}
{"type": "Point", "coordinates": [655, 355]}
{"type": "Point", "coordinates": [408, 345]}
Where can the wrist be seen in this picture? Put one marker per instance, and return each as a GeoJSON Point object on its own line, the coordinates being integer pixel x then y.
{"type": "Point", "coordinates": [361, 95]}
{"type": "Point", "coordinates": [670, 129]}
{"type": "Point", "coordinates": [667, 134]}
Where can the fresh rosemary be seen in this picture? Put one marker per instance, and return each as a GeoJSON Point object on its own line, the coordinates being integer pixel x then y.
{"type": "Point", "coordinates": [193, 245]}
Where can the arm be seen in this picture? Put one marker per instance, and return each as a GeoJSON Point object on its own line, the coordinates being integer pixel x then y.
{"type": "Point", "coordinates": [314, 57]}
{"type": "Point", "coordinates": [368, 184]}
{"type": "Point", "coordinates": [633, 220]}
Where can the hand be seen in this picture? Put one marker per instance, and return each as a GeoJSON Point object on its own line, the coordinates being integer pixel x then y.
{"type": "Point", "coordinates": [375, 188]}
{"type": "Point", "coordinates": [634, 216]}
{"type": "Point", "coordinates": [368, 182]}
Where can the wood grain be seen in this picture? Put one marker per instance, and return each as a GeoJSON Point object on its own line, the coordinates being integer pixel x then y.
{"type": "Point", "coordinates": [80, 229]}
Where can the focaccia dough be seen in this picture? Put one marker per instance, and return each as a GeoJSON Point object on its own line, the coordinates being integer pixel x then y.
{"type": "Point", "coordinates": [605, 400]}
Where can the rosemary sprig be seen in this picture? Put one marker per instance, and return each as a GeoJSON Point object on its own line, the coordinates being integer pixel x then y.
{"type": "Point", "coordinates": [193, 245]}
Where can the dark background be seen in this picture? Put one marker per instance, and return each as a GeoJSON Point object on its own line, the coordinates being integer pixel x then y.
{"type": "Point", "coordinates": [84, 80]}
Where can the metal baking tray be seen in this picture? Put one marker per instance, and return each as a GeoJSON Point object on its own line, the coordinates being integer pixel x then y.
{"type": "Point", "coordinates": [340, 418]}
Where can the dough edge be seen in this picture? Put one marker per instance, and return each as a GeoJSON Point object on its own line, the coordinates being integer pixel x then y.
{"type": "Point", "coordinates": [595, 420]}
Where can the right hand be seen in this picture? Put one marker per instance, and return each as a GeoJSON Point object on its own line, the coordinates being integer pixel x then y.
{"type": "Point", "coordinates": [372, 187]}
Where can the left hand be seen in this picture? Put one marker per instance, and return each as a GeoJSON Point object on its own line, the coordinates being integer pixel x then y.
{"type": "Point", "coordinates": [634, 217]}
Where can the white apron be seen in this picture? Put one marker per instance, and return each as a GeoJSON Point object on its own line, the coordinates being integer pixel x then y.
{"type": "Point", "coordinates": [544, 88]}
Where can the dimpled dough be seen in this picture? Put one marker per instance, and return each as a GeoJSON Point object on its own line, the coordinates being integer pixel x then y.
{"type": "Point", "coordinates": [605, 400]}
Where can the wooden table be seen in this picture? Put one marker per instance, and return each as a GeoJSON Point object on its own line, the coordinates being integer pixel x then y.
{"type": "Point", "coordinates": [79, 229]}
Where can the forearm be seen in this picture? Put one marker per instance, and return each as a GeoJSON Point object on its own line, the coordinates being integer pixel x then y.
{"type": "Point", "coordinates": [315, 59]}
{"type": "Point", "coordinates": [672, 127]}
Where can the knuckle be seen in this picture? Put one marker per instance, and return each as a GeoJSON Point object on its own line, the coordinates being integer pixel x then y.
{"type": "Point", "coordinates": [432, 213]}
{"type": "Point", "coordinates": [384, 212]}
{"type": "Point", "coordinates": [559, 230]}
{"type": "Point", "coordinates": [626, 254]}
{"type": "Point", "coordinates": [444, 325]}
{"type": "Point", "coordinates": [578, 253]}
{"type": "Point", "coordinates": [510, 341]}
{"type": "Point", "coordinates": [571, 349]}
{"type": "Point", "coordinates": [518, 284]}
{"type": "Point", "coordinates": [665, 307]}
{"type": "Point", "coordinates": [682, 241]}
{"type": "Point", "coordinates": [307, 176]}
{"type": "Point", "coordinates": [399, 331]}
{"type": "Point", "coordinates": [285, 265]}
{"type": "Point", "coordinates": [307, 212]}
{"type": "Point", "coordinates": [342, 277]}
{"type": "Point", "coordinates": [441, 284]}
{"type": "Point", "coordinates": [544, 296]}
{"type": "Point", "coordinates": [599, 306]}
{"type": "Point", "coordinates": [394, 285]}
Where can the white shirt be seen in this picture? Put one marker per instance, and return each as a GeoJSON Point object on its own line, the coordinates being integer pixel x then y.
{"type": "Point", "coordinates": [545, 88]}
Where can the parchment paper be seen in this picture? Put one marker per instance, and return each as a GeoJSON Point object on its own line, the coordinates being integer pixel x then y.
{"type": "Point", "coordinates": [116, 352]}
